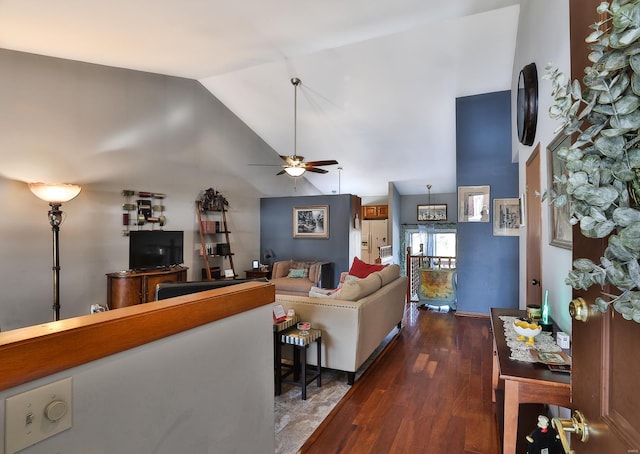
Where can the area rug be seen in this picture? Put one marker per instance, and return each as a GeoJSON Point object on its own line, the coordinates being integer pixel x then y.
{"type": "Point", "coordinates": [297, 419]}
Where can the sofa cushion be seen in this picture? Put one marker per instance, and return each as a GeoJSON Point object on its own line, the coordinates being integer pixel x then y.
{"type": "Point", "coordinates": [363, 269]}
{"type": "Point", "coordinates": [353, 290]}
{"type": "Point", "coordinates": [389, 273]}
{"type": "Point", "coordinates": [287, 285]}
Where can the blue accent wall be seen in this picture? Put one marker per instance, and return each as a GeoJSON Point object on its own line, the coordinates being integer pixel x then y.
{"type": "Point", "coordinates": [276, 230]}
{"type": "Point", "coordinates": [487, 265]}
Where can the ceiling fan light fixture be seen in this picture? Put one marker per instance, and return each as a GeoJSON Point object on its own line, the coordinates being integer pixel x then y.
{"type": "Point", "coordinates": [294, 171]}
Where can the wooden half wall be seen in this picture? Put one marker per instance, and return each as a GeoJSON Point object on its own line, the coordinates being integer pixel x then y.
{"type": "Point", "coordinates": [34, 352]}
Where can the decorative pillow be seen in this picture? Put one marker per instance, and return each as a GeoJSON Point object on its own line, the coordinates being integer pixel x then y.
{"type": "Point", "coordinates": [389, 273]}
{"type": "Point", "coordinates": [300, 264]}
{"type": "Point", "coordinates": [298, 273]}
{"type": "Point", "coordinates": [363, 269]}
{"type": "Point", "coordinates": [354, 290]}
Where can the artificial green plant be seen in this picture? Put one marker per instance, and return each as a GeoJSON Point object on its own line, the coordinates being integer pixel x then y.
{"type": "Point", "coordinates": [602, 183]}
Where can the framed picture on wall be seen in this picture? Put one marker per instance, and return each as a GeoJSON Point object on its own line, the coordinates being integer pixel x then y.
{"type": "Point", "coordinates": [311, 221]}
{"type": "Point", "coordinates": [506, 217]}
{"type": "Point", "coordinates": [432, 212]}
{"type": "Point", "coordinates": [473, 203]}
{"type": "Point", "coordinates": [560, 233]}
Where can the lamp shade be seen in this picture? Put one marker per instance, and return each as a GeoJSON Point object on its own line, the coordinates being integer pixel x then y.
{"type": "Point", "coordinates": [294, 171]}
{"type": "Point", "coordinates": [55, 193]}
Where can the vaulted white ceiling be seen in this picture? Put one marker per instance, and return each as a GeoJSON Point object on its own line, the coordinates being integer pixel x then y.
{"type": "Point", "coordinates": [379, 77]}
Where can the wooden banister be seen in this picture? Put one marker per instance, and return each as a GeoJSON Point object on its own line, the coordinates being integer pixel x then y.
{"type": "Point", "coordinates": [34, 352]}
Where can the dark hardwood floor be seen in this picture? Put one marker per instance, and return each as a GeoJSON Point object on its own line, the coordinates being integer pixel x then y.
{"type": "Point", "coordinates": [429, 392]}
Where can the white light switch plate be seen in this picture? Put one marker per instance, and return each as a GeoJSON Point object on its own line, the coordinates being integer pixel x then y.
{"type": "Point", "coordinates": [37, 414]}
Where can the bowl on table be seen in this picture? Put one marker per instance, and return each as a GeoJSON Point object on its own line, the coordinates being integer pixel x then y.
{"type": "Point", "coordinates": [526, 330]}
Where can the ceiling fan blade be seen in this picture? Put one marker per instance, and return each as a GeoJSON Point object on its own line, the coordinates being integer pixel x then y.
{"type": "Point", "coordinates": [313, 169]}
{"type": "Point", "coordinates": [266, 165]}
{"type": "Point", "coordinates": [329, 162]}
{"type": "Point", "coordinates": [282, 172]}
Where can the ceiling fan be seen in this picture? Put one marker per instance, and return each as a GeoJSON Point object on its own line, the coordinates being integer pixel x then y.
{"type": "Point", "coordinates": [294, 165]}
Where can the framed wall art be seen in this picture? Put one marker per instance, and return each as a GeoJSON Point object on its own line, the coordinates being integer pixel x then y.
{"type": "Point", "coordinates": [473, 203]}
{"type": "Point", "coordinates": [432, 212]}
{"type": "Point", "coordinates": [560, 230]}
{"type": "Point", "coordinates": [506, 217]}
{"type": "Point", "coordinates": [311, 221]}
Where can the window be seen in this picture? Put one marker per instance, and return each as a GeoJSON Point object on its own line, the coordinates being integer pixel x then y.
{"type": "Point", "coordinates": [432, 242]}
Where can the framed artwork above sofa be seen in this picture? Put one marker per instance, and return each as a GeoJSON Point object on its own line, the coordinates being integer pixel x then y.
{"type": "Point", "coordinates": [311, 221]}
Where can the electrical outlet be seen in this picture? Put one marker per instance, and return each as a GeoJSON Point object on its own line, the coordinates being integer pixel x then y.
{"type": "Point", "coordinates": [37, 414]}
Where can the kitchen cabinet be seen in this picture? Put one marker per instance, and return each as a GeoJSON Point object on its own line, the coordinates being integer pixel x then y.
{"type": "Point", "coordinates": [375, 212]}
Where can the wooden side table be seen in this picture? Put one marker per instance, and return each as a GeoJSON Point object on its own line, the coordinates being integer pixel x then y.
{"type": "Point", "coordinates": [300, 344]}
{"type": "Point", "coordinates": [523, 382]}
{"type": "Point", "coordinates": [257, 274]}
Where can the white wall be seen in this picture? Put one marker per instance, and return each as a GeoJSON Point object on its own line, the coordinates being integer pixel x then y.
{"type": "Point", "coordinates": [543, 37]}
{"type": "Point", "coordinates": [206, 390]}
{"type": "Point", "coordinates": [110, 129]}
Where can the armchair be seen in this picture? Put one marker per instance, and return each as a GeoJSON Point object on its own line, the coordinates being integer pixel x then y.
{"type": "Point", "coordinates": [296, 277]}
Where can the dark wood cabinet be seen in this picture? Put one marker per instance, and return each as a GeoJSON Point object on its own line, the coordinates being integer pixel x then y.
{"type": "Point", "coordinates": [257, 274]}
{"type": "Point", "coordinates": [375, 212]}
{"type": "Point", "coordinates": [128, 288]}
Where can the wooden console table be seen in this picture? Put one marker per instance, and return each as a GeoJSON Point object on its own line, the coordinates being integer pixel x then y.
{"type": "Point", "coordinates": [127, 288]}
{"type": "Point", "coordinates": [523, 382]}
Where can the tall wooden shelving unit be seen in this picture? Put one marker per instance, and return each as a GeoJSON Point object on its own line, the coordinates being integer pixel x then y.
{"type": "Point", "coordinates": [208, 223]}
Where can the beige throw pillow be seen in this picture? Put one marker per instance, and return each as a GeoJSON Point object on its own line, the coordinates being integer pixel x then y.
{"type": "Point", "coordinates": [389, 273]}
{"type": "Point", "coordinates": [357, 289]}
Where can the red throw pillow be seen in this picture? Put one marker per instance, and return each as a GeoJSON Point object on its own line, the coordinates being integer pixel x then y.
{"type": "Point", "coordinates": [363, 269]}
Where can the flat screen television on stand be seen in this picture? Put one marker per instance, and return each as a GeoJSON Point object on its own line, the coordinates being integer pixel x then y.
{"type": "Point", "coordinates": [153, 249]}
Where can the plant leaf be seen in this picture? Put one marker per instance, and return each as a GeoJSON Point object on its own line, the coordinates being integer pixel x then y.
{"type": "Point", "coordinates": [611, 146]}
{"type": "Point", "coordinates": [626, 216]}
{"type": "Point", "coordinates": [630, 236]}
{"type": "Point", "coordinates": [630, 36]}
{"type": "Point", "coordinates": [630, 121]}
{"type": "Point", "coordinates": [627, 104]}
{"type": "Point", "coordinates": [623, 18]}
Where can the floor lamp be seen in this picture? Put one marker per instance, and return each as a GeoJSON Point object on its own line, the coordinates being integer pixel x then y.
{"type": "Point", "coordinates": [56, 195]}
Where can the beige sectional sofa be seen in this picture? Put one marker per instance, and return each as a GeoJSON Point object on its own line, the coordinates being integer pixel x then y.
{"type": "Point", "coordinates": [355, 320]}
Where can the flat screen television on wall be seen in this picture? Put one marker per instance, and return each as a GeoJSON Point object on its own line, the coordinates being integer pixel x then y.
{"type": "Point", "coordinates": [151, 249]}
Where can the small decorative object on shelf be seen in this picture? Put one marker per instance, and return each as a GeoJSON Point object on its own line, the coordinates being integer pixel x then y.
{"type": "Point", "coordinates": [147, 209]}
{"type": "Point", "coordinates": [545, 321]}
{"type": "Point", "coordinates": [278, 313]}
{"type": "Point", "coordinates": [212, 200]}
{"type": "Point", "coordinates": [304, 328]}
{"type": "Point", "coordinates": [544, 439]}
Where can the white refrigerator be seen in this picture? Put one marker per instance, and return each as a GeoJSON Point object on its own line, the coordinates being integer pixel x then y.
{"type": "Point", "coordinates": [374, 235]}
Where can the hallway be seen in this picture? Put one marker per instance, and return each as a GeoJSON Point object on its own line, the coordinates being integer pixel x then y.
{"type": "Point", "coordinates": [430, 392]}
